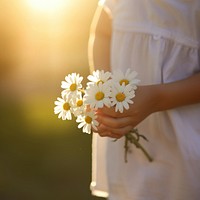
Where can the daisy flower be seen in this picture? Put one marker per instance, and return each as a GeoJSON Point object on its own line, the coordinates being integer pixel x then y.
{"type": "Point", "coordinates": [99, 76]}
{"type": "Point", "coordinates": [78, 105]}
{"type": "Point", "coordinates": [87, 121]}
{"type": "Point", "coordinates": [129, 77]}
{"type": "Point", "coordinates": [72, 84]}
{"type": "Point", "coordinates": [122, 96]}
{"type": "Point", "coordinates": [63, 108]}
{"type": "Point", "coordinates": [98, 95]}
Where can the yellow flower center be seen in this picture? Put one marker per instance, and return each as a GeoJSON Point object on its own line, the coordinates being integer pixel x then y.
{"type": "Point", "coordinates": [99, 96]}
{"type": "Point", "coordinates": [124, 81]}
{"type": "Point", "coordinates": [66, 106]}
{"type": "Point", "coordinates": [79, 103]}
{"type": "Point", "coordinates": [100, 81]}
{"type": "Point", "coordinates": [120, 97]}
{"type": "Point", "coordinates": [73, 87]}
{"type": "Point", "coordinates": [88, 120]}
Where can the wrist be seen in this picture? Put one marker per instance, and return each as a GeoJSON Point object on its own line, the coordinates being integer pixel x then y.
{"type": "Point", "coordinates": [153, 96]}
{"type": "Point", "coordinates": [158, 98]}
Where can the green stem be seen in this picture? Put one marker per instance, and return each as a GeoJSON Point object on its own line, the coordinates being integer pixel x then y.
{"type": "Point", "coordinates": [126, 149]}
{"type": "Point", "coordinates": [82, 91]}
{"type": "Point", "coordinates": [135, 140]}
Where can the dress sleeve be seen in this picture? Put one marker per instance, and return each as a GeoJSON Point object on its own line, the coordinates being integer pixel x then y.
{"type": "Point", "coordinates": [108, 5]}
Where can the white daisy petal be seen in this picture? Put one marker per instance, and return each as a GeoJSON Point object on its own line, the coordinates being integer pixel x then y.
{"type": "Point", "coordinates": [60, 115]}
{"type": "Point", "coordinates": [99, 76]}
{"type": "Point", "coordinates": [87, 121]}
{"type": "Point", "coordinates": [125, 104]}
{"type": "Point", "coordinates": [129, 101]}
{"type": "Point", "coordinates": [72, 84]}
{"type": "Point", "coordinates": [81, 125]}
{"type": "Point", "coordinates": [129, 77]}
{"type": "Point", "coordinates": [96, 95]}
{"type": "Point", "coordinates": [63, 108]}
{"type": "Point", "coordinates": [122, 96]}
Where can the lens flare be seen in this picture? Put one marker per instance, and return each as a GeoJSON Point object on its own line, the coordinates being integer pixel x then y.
{"type": "Point", "coordinates": [47, 5]}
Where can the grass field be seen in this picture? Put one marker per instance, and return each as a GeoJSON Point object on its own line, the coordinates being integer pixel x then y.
{"type": "Point", "coordinates": [42, 157]}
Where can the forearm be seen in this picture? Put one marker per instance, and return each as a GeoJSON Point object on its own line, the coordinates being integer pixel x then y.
{"type": "Point", "coordinates": [179, 93]}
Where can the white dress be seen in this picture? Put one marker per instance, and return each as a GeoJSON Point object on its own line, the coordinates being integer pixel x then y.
{"type": "Point", "coordinates": [159, 39]}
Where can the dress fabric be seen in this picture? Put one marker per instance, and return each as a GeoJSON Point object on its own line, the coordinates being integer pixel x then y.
{"type": "Point", "coordinates": [160, 40]}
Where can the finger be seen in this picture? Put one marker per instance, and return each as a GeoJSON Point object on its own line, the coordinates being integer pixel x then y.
{"type": "Point", "coordinates": [109, 111]}
{"type": "Point", "coordinates": [114, 122]}
{"type": "Point", "coordinates": [109, 134]}
{"type": "Point", "coordinates": [119, 132]}
{"type": "Point", "coordinates": [112, 135]}
{"type": "Point", "coordinates": [103, 131]}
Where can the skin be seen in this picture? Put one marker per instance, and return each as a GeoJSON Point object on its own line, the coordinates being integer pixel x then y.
{"type": "Point", "coordinates": [149, 98]}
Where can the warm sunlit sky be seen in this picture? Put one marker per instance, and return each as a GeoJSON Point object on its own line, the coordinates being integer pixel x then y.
{"type": "Point", "coordinates": [41, 41]}
{"type": "Point", "coordinates": [48, 5]}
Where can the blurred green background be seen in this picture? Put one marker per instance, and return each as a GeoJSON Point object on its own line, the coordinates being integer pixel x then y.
{"type": "Point", "coordinates": [42, 157]}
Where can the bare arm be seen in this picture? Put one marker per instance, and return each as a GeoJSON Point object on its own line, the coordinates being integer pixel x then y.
{"type": "Point", "coordinates": [180, 93]}
{"type": "Point", "coordinates": [99, 41]}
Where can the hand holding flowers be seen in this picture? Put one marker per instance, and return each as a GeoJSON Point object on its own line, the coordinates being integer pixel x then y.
{"type": "Point", "coordinates": [106, 105]}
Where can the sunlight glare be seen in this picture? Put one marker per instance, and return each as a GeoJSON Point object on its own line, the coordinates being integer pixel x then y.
{"type": "Point", "coordinates": [47, 5]}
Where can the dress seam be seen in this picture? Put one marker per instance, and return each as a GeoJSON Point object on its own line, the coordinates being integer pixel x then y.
{"type": "Point", "coordinates": [155, 31]}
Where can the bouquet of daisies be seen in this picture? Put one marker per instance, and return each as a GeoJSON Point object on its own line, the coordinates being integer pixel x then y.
{"type": "Point", "coordinates": [103, 89]}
